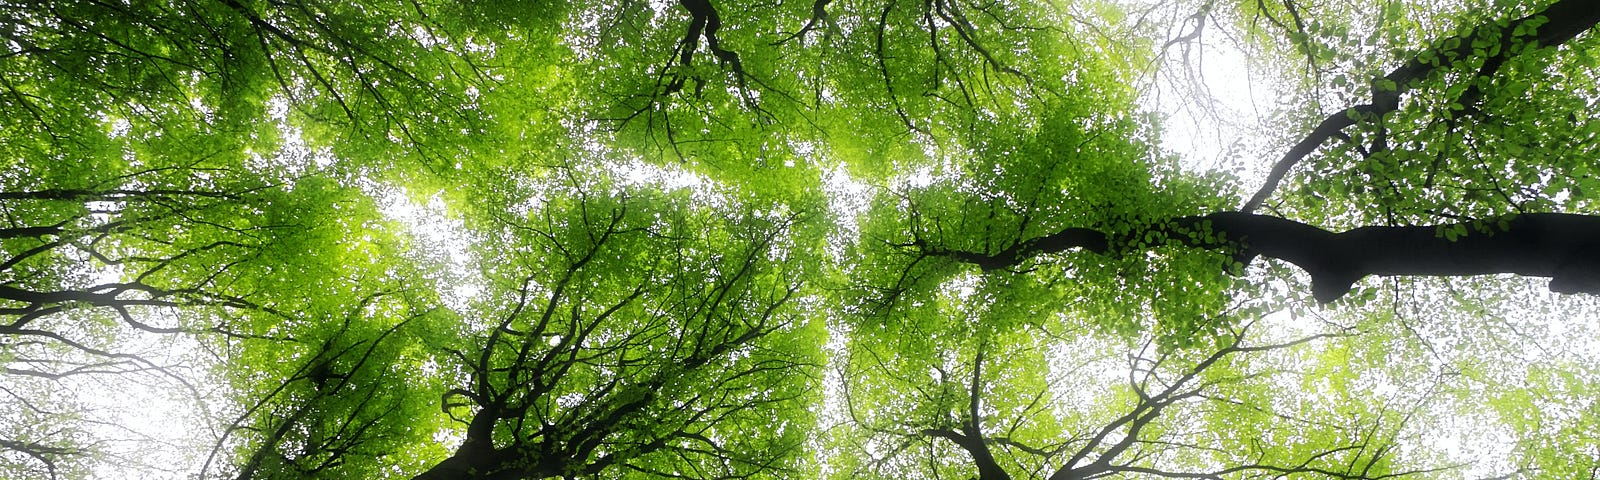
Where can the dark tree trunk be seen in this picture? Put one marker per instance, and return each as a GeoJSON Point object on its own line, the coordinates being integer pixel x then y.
{"type": "Point", "coordinates": [1565, 247]}
{"type": "Point", "coordinates": [478, 459]}
{"type": "Point", "coordinates": [1561, 246]}
{"type": "Point", "coordinates": [470, 463]}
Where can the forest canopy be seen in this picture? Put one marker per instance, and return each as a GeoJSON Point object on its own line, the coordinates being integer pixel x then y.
{"type": "Point", "coordinates": [711, 239]}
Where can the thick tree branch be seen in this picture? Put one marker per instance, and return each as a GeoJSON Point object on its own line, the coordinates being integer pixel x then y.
{"type": "Point", "coordinates": [705, 23]}
{"type": "Point", "coordinates": [46, 455]}
{"type": "Point", "coordinates": [974, 444]}
{"type": "Point", "coordinates": [1565, 19]}
{"type": "Point", "coordinates": [1553, 245]}
{"type": "Point", "coordinates": [819, 14]}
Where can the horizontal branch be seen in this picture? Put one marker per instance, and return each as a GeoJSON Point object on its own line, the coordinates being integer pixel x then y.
{"type": "Point", "coordinates": [1552, 245]}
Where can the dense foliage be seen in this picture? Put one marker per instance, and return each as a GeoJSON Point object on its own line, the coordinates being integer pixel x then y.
{"type": "Point", "coordinates": [829, 239]}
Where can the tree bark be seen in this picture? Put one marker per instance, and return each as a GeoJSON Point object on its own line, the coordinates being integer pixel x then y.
{"type": "Point", "coordinates": [1565, 247]}
{"type": "Point", "coordinates": [478, 459]}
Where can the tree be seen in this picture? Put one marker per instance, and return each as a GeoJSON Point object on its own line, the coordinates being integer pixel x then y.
{"type": "Point", "coordinates": [119, 282]}
{"type": "Point", "coordinates": [980, 403]}
{"type": "Point", "coordinates": [1524, 243]}
{"type": "Point", "coordinates": [1141, 229]}
{"type": "Point", "coordinates": [151, 199]}
{"type": "Point", "coordinates": [657, 247]}
{"type": "Point", "coordinates": [634, 332]}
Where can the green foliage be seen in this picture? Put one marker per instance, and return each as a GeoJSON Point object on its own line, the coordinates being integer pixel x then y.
{"type": "Point", "coordinates": [637, 329]}
{"type": "Point", "coordinates": [728, 239]}
{"type": "Point", "coordinates": [1018, 183]}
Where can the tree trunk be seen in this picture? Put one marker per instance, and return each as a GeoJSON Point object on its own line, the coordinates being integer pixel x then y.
{"type": "Point", "coordinates": [1562, 246]}
{"type": "Point", "coordinates": [1565, 247]}
{"type": "Point", "coordinates": [478, 459]}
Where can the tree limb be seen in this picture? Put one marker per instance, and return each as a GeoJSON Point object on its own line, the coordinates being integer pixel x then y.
{"type": "Point", "coordinates": [1553, 245]}
{"type": "Point", "coordinates": [1566, 19]}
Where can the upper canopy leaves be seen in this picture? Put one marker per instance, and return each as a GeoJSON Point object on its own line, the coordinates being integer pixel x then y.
{"type": "Point", "coordinates": [614, 239]}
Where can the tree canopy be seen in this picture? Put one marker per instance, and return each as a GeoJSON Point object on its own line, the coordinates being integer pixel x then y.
{"type": "Point", "coordinates": [831, 239]}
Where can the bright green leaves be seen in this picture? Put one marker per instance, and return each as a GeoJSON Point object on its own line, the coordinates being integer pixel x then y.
{"type": "Point", "coordinates": [628, 327]}
{"type": "Point", "coordinates": [324, 346]}
{"type": "Point", "coordinates": [1075, 168]}
{"type": "Point", "coordinates": [646, 274]}
{"type": "Point", "coordinates": [915, 375]}
{"type": "Point", "coordinates": [1052, 400]}
{"type": "Point", "coordinates": [1552, 418]}
{"type": "Point", "coordinates": [382, 84]}
{"type": "Point", "coordinates": [89, 73]}
{"type": "Point", "coordinates": [710, 85]}
{"type": "Point", "coordinates": [184, 267]}
{"type": "Point", "coordinates": [1478, 109]}
{"type": "Point", "coordinates": [326, 404]}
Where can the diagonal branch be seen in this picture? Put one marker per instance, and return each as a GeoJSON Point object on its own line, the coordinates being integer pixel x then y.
{"type": "Point", "coordinates": [1565, 19]}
